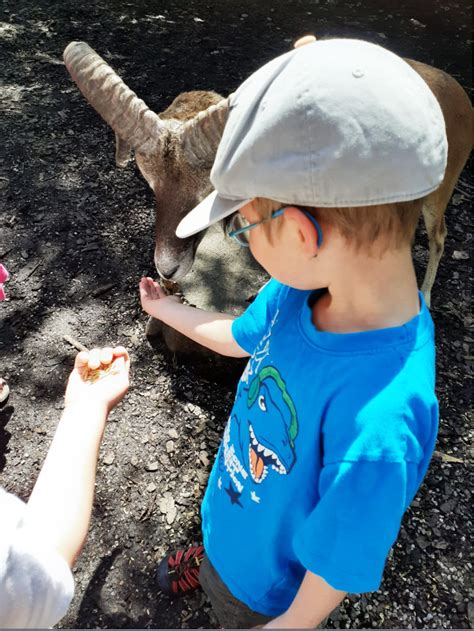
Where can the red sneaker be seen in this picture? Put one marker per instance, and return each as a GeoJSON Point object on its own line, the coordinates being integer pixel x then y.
{"type": "Point", "coordinates": [178, 573]}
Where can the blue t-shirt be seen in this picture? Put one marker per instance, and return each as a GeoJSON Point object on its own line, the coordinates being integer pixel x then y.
{"type": "Point", "coordinates": [326, 445]}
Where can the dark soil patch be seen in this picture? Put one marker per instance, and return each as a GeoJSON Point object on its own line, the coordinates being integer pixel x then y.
{"type": "Point", "coordinates": [72, 223]}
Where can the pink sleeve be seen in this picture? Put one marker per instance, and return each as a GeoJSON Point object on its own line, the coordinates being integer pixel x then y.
{"type": "Point", "coordinates": [4, 275]}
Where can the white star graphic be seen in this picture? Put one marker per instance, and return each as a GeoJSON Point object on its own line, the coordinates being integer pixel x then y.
{"type": "Point", "coordinates": [219, 483]}
{"type": "Point", "coordinates": [255, 497]}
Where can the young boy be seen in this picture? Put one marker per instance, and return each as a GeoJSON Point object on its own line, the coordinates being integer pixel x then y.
{"type": "Point", "coordinates": [323, 162]}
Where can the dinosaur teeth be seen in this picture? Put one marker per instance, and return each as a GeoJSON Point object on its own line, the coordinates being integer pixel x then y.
{"type": "Point", "coordinates": [263, 452]}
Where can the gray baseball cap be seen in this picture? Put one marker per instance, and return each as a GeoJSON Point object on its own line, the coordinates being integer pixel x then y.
{"type": "Point", "coordinates": [337, 123]}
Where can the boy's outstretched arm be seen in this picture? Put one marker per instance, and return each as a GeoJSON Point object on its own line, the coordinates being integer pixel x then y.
{"type": "Point", "coordinates": [60, 505]}
{"type": "Point", "coordinates": [213, 330]}
{"type": "Point", "coordinates": [312, 604]}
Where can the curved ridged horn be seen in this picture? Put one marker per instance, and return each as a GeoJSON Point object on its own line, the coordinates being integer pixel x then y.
{"type": "Point", "coordinates": [202, 134]}
{"type": "Point", "coordinates": [128, 115]}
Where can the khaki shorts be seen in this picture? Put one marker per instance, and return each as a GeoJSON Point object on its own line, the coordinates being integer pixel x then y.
{"type": "Point", "coordinates": [231, 612]}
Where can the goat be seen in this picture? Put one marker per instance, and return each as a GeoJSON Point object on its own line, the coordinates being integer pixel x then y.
{"type": "Point", "coordinates": [175, 150]}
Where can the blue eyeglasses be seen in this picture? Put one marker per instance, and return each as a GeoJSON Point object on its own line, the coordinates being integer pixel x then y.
{"type": "Point", "coordinates": [239, 227]}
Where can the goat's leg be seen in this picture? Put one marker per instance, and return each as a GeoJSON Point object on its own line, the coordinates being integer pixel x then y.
{"type": "Point", "coordinates": [436, 229]}
{"type": "Point", "coordinates": [434, 209]}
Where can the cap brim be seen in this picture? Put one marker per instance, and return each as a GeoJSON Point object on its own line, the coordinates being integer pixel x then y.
{"type": "Point", "coordinates": [212, 209]}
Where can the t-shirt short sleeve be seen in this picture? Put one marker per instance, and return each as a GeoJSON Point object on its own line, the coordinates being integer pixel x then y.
{"type": "Point", "coordinates": [251, 326]}
{"type": "Point", "coordinates": [36, 583]}
{"type": "Point", "coordinates": [347, 542]}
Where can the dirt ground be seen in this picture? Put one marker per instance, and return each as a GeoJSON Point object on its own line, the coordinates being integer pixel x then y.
{"type": "Point", "coordinates": [72, 224]}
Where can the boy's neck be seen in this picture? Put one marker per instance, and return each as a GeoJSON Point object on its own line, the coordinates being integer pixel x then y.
{"type": "Point", "coordinates": [369, 293]}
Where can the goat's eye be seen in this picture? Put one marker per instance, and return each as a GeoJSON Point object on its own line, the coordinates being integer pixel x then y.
{"type": "Point", "coordinates": [261, 403]}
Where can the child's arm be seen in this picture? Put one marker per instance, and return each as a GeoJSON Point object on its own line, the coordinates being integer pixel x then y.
{"type": "Point", "coordinates": [313, 602]}
{"type": "Point", "coordinates": [213, 330]}
{"type": "Point", "coordinates": [60, 505]}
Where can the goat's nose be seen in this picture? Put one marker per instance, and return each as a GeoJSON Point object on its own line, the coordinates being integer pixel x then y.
{"type": "Point", "coordinates": [167, 274]}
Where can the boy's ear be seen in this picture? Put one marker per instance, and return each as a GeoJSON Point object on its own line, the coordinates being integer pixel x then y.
{"type": "Point", "coordinates": [306, 232]}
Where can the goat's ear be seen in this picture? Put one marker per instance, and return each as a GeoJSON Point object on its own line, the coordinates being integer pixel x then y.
{"type": "Point", "coordinates": [123, 152]}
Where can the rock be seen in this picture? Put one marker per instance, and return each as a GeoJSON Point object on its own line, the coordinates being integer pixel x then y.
{"type": "Point", "coordinates": [171, 514]}
{"type": "Point", "coordinates": [204, 458]}
{"type": "Point", "coordinates": [165, 461]}
{"type": "Point", "coordinates": [417, 23]}
{"type": "Point", "coordinates": [168, 507]}
{"type": "Point", "coordinates": [152, 466]}
{"type": "Point", "coordinates": [448, 507]}
{"type": "Point", "coordinates": [441, 545]}
{"type": "Point", "coordinates": [151, 487]}
{"type": "Point", "coordinates": [173, 433]}
{"type": "Point", "coordinates": [134, 461]}
{"type": "Point", "coordinates": [460, 255]}
{"type": "Point", "coordinates": [170, 446]}
{"type": "Point", "coordinates": [108, 458]}
{"type": "Point", "coordinates": [422, 542]}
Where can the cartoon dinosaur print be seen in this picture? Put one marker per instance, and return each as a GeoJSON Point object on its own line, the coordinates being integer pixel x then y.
{"type": "Point", "coordinates": [260, 439]}
{"type": "Point", "coordinates": [271, 432]}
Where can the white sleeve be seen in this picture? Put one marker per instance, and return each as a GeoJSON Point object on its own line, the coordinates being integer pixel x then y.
{"type": "Point", "coordinates": [36, 583]}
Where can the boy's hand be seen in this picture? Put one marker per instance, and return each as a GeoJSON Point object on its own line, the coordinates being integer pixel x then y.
{"type": "Point", "coordinates": [151, 295]}
{"type": "Point", "coordinates": [100, 377]}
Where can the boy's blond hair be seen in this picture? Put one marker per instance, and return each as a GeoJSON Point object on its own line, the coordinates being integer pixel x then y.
{"type": "Point", "coordinates": [387, 226]}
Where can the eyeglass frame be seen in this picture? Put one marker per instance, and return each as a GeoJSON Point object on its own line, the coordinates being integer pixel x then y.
{"type": "Point", "coordinates": [234, 234]}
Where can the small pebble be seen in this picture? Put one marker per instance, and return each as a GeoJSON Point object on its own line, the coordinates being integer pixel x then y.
{"type": "Point", "coordinates": [204, 458]}
{"type": "Point", "coordinates": [152, 466]}
{"type": "Point", "coordinates": [109, 458]}
{"type": "Point", "coordinates": [460, 255]}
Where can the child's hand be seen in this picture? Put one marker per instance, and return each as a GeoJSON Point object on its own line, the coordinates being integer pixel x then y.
{"type": "Point", "coordinates": [151, 294]}
{"type": "Point", "coordinates": [100, 377]}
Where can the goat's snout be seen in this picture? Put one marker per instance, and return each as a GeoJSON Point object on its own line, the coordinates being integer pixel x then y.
{"type": "Point", "coordinates": [168, 273]}
{"type": "Point", "coordinates": [171, 264]}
